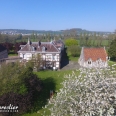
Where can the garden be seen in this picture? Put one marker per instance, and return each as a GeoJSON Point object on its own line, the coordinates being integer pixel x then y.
{"type": "Point", "coordinates": [80, 92]}
{"type": "Point", "coordinates": [52, 81]}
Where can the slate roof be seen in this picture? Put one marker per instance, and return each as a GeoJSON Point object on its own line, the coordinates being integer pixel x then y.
{"type": "Point", "coordinates": [49, 47]}
{"type": "Point", "coordinates": [2, 48]}
{"type": "Point", "coordinates": [58, 43]}
{"type": "Point", "coordinates": [95, 54]}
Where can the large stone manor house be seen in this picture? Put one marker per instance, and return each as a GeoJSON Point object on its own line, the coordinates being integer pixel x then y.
{"type": "Point", "coordinates": [50, 52]}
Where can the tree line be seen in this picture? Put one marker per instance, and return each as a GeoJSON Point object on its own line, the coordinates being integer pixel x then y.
{"type": "Point", "coordinates": [12, 42]}
{"type": "Point", "coordinates": [96, 40]}
{"type": "Point", "coordinates": [23, 38]}
{"type": "Point", "coordinates": [85, 39]}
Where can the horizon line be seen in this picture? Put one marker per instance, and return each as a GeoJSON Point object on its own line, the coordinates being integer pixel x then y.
{"type": "Point", "coordinates": [52, 30]}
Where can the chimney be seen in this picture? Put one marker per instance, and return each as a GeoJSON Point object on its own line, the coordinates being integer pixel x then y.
{"type": "Point", "coordinates": [39, 43]}
{"type": "Point", "coordinates": [51, 40]}
{"type": "Point", "coordinates": [29, 42]}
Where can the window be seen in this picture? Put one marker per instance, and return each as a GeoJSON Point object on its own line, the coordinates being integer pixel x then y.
{"type": "Point", "coordinates": [33, 48]}
{"type": "Point", "coordinates": [53, 57]}
{"type": "Point", "coordinates": [89, 62]}
{"type": "Point", "coordinates": [54, 64]}
{"type": "Point", "coordinates": [23, 55]}
{"type": "Point", "coordinates": [43, 49]}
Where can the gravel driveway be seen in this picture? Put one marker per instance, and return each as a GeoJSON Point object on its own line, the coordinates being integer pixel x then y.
{"type": "Point", "coordinates": [71, 65]}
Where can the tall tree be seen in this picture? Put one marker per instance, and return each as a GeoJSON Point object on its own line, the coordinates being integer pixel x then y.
{"type": "Point", "coordinates": [112, 49]}
{"type": "Point", "coordinates": [71, 42]}
{"type": "Point", "coordinates": [37, 62]}
{"type": "Point", "coordinates": [81, 39]}
{"type": "Point", "coordinates": [94, 38]}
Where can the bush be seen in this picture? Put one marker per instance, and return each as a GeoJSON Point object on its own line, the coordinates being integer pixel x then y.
{"type": "Point", "coordinates": [74, 50]}
{"type": "Point", "coordinates": [71, 42]}
{"type": "Point", "coordinates": [9, 77]}
{"type": "Point", "coordinates": [19, 88]}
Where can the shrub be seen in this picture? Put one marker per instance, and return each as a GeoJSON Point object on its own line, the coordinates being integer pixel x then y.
{"type": "Point", "coordinates": [71, 42]}
{"type": "Point", "coordinates": [18, 88]}
{"type": "Point", "coordinates": [74, 50]}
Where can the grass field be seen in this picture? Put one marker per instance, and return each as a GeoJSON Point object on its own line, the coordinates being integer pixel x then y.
{"type": "Point", "coordinates": [51, 81]}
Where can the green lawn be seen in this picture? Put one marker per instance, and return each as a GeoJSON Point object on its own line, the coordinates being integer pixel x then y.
{"type": "Point", "coordinates": [110, 63]}
{"type": "Point", "coordinates": [12, 54]}
{"type": "Point", "coordinates": [51, 80]}
{"type": "Point", "coordinates": [71, 58]}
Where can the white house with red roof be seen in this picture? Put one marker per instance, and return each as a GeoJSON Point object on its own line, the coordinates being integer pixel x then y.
{"type": "Point", "coordinates": [93, 57]}
{"type": "Point", "coordinates": [50, 52]}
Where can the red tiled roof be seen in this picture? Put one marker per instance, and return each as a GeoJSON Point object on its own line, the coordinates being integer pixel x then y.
{"type": "Point", "coordinates": [95, 54]}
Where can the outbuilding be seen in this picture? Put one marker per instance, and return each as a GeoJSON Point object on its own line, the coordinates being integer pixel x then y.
{"type": "Point", "coordinates": [93, 57]}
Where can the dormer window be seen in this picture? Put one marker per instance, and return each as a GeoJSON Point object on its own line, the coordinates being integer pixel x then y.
{"type": "Point", "coordinates": [43, 49]}
{"type": "Point", "coordinates": [39, 43]}
{"type": "Point", "coordinates": [23, 55]}
{"type": "Point", "coordinates": [53, 57]}
{"type": "Point", "coordinates": [33, 48]}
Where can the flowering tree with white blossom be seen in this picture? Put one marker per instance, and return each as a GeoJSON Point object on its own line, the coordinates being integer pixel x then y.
{"type": "Point", "coordinates": [92, 93]}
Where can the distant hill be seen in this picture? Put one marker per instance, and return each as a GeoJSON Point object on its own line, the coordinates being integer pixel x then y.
{"type": "Point", "coordinates": [79, 30]}
{"type": "Point", "coordinates": [24, 31]}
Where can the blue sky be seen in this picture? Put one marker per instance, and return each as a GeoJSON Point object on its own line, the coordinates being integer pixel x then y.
{"type": "Point", "coordinates": [93, 15]}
